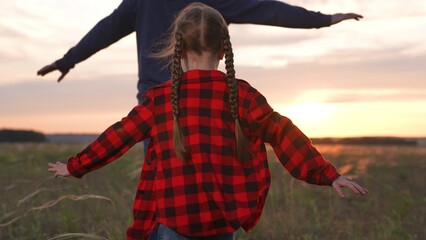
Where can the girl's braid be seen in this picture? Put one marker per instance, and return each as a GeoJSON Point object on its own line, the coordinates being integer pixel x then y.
{"type": "Point", "coordinates": [180, 149]}
{"type": "Point", "coordinates": [176, 74]}
{"type": "Point", "coordinates": [242, 144]}
{"type": "Point", "coordinates": [230, 76]}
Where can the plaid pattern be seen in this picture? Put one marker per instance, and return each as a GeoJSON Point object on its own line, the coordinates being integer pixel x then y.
{"type": "Point", "coordinates": [213, 193]}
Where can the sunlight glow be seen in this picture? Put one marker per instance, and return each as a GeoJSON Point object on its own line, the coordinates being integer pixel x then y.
{"type": "Point", "coordinates": [308, 113]}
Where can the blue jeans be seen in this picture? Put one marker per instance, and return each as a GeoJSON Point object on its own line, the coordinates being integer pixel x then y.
{"type": "Point", "coordinates": [154, 234]}
{"type": "Point", "coordinates": [165, 233]}
{"type": "Point", "coordinates": [145, 145]}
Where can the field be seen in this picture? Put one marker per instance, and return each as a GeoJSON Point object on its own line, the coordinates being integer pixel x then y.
{"type": "Point", "coordinates": [33, 205]}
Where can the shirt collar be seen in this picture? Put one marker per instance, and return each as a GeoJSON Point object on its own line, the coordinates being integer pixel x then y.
{"type": "Point", "coordinates": [203, 75]}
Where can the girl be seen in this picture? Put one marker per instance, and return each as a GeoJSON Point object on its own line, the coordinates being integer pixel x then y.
{"type": "Point", "coordinates": [206, 172]}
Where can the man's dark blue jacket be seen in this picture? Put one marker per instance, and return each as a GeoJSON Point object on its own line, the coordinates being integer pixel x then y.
{"type": "Point", "coordinates": [152, 18]}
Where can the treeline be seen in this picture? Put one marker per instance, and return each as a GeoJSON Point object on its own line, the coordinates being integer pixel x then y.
{"type": "Point", "coordinates": [366, 141]}
{"type": "Point", "coordinates": [13, 136]}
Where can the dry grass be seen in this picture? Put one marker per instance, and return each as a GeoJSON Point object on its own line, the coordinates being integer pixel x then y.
{"type": "Point", "coordinates": [24, 212]}
{"type": "Point", "coordinates": [77, 235]}
{"type": "Point", "coordinates": [33, 205]}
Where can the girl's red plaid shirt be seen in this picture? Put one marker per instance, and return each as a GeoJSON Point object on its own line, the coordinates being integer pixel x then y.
{"type": "Point", "coordinates": [213, 193]}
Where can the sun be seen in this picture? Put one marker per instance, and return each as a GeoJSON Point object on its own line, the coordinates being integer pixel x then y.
{"type": "Point", "coordinates": [308, 114]}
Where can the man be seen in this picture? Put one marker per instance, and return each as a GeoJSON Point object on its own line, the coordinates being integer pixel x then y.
{"type": "Point", "coordinates": [151, 20]}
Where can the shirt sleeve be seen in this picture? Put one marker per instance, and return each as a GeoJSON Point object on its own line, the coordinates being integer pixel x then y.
{"type": "Point", "coordinates": [270, 12]}
{"type": "Point", "coordinates": [119, 24]}
{"type": "Point", "coordinates": [293, 149]}
{"type": "Point", "coordinates": [114, 141]}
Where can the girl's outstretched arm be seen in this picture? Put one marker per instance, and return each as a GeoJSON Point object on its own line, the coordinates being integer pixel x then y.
{"type": "Point", "coordinates": [112, 143]}
{"type": "Point", "coordinates": [343, 181]}
{"type": "Point", "coordinates": [60, 169]}
{"type": "Point", "coordinates": [293, 149]}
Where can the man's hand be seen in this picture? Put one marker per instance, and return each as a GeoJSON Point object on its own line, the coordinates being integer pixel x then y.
{"type": "Point", "coordinates": [49, 68]}
{"type": "Point", "coordinates": [338, 17]}
{"type": "Point", "coordinates": [60, 169]}
{"type": "Point", "coordinates": [342, 181]}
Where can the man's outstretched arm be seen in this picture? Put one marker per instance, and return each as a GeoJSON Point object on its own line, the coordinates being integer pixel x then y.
{"type": "Point", "coordinates": [276, 13]}
{"type": "Point", "coordinates": [109, 30]}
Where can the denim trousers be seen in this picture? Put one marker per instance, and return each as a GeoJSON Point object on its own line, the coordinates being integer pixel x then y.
{"type": "Point", "coordinates": [165, 233]}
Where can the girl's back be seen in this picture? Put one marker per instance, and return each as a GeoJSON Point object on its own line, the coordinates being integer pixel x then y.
{"type": "Point", "coordinates": [212, 186]}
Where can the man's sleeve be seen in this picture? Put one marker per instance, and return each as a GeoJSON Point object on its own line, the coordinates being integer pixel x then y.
{"type": "Point", "coordinates": [293, 149]}
{"type": "Point", "coordinates": [114, 141]}
{"type": "Point", "coordinates": [120, 23]}
{"type": "Point", "coordinates": [270, 12]}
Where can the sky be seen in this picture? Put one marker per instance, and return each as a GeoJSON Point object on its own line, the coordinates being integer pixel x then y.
{"type": "Point", "coordinates": [356, 78]}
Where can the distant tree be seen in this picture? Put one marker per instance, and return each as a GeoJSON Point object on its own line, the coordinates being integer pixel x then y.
{"type": "Point", "coordinates": [9, 135]}
{"type": "Point", "coordinates": [366, 141]}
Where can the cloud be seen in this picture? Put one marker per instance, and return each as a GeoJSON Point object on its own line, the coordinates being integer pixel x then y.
{"type": "Point", "coordinates": [38, 97]}
{"type": "Point", "coordinates": [247, 35]}
{"type": "Point", "coordinates": [10, 33]}
{"type": "Point", "coordinates": [257, 45]}
{"type": "Point", "coordinates": [354, 76]}
{"type": "Point", "coordinates": [15, 9]}
{"type": "Point", "coordinates": [362, 95]}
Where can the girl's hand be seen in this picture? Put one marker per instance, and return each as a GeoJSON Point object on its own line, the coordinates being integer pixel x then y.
{"type": "Point", "coordinates": [342, 181]}
{"type": "Point", "coordinates": [60, 169]}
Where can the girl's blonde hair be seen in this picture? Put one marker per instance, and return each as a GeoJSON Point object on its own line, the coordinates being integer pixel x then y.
{"type": "Point", "coordinates": [200, 28]}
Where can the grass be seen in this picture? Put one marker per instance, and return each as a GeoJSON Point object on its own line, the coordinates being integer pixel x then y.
{"type": "Point", "coordinates": [33, 205]}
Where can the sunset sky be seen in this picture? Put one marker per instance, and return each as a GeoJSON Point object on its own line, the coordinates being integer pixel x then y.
{"type": "Point", "coordinates": [356, 78]}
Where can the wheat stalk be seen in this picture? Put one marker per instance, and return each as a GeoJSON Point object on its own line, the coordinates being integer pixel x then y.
{"type": "Point", "coordinates": [53, 203]}
{"type": "Point", "coordinates": [72, 235]}
{"type": "Point", "coordinates": [31, 195]}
